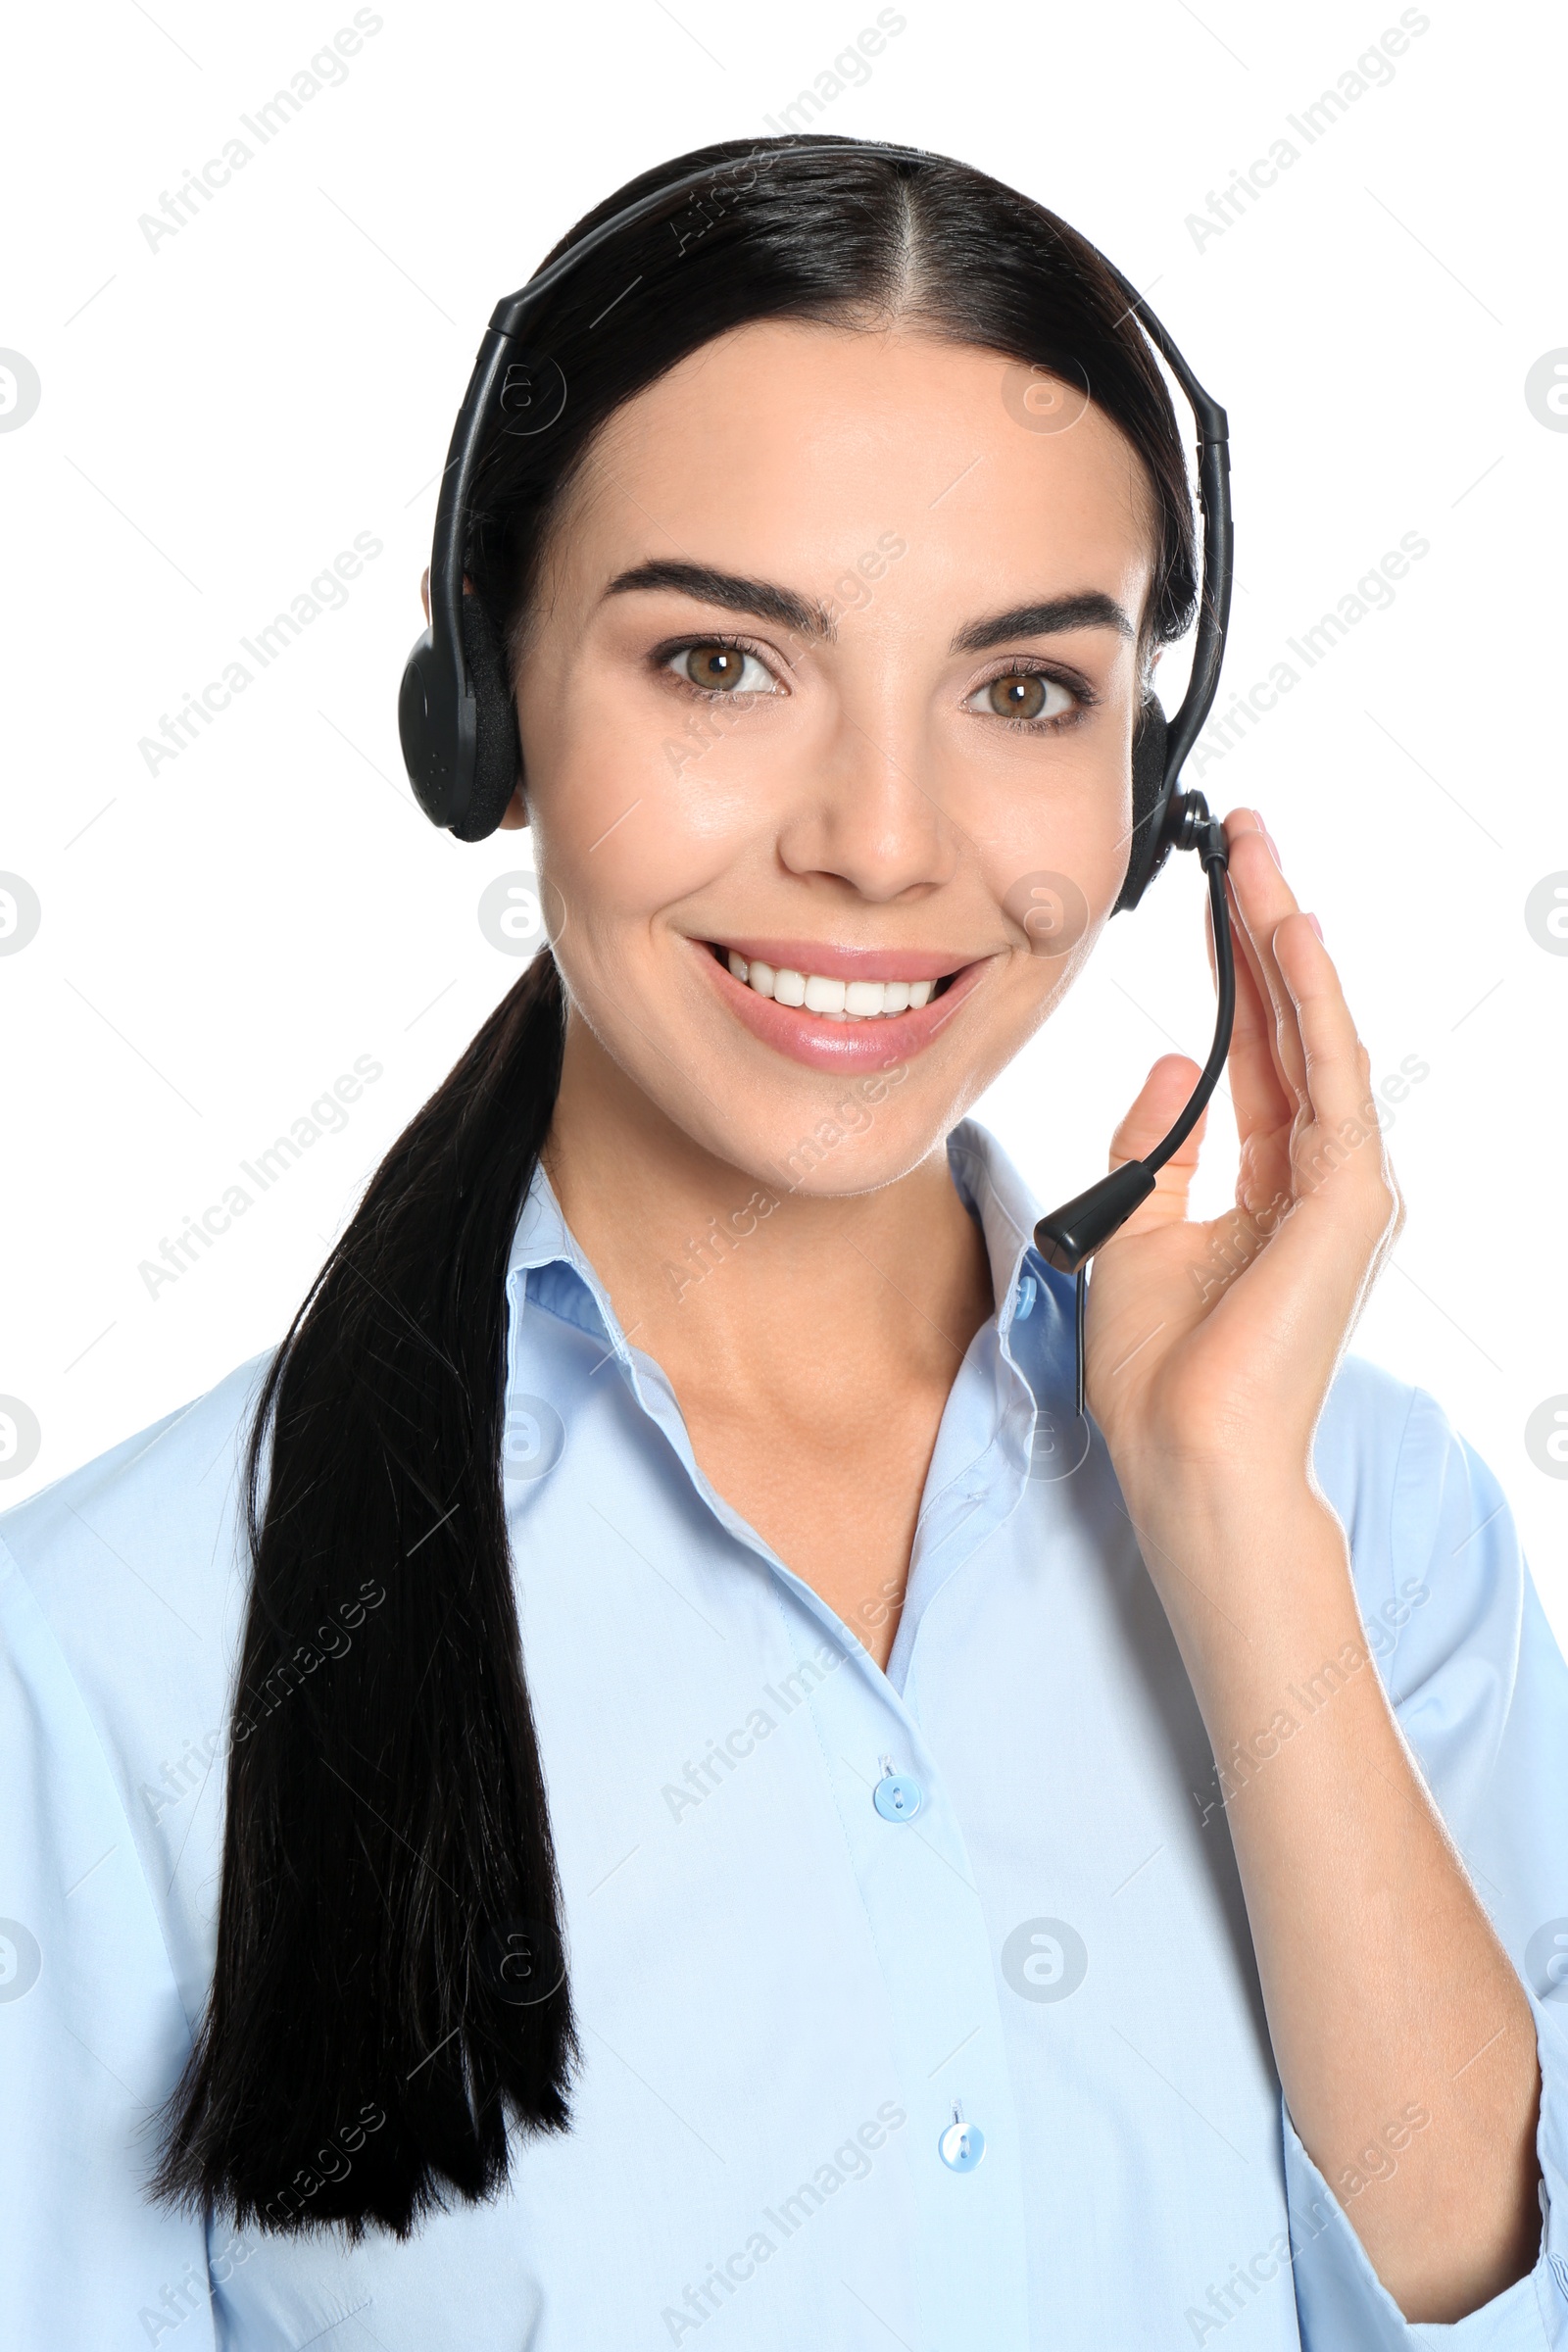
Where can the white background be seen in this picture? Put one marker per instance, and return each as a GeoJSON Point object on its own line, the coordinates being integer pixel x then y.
{"type": "Point", "coordinates": [222, 415]}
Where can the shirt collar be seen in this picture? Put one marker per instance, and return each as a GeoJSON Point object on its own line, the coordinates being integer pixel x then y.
{"type": "Point", "coordinates": [1036, 1320]}
{"type": "Point", "coordinates": [1034, 1303]}
{"type": "Point", "coordinates": [996, 1196]}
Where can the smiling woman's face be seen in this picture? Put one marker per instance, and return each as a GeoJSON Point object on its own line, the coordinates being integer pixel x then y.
{"type": "Point", "coordinates": [794, 724]}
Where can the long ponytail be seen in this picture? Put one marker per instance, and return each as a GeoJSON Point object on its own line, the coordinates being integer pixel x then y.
{"type": "Point", "coordinates": [389, 1922]}
{"type": "Point", "coordinates": [390, 1986]}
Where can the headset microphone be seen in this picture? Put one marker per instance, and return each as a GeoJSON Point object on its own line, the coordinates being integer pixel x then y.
{"type": "Point", "coordinates": [1069, 1236]}
{"type": "Point", "coordinates": [457, 725]}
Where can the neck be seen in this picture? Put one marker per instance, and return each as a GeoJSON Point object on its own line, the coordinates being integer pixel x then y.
{"type": "Point", "coordinates": [737, 1285]}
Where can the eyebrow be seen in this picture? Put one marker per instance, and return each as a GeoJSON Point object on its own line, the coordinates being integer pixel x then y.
{"type": "Point", "coordinates": [762, 598]}
{"type": "Point", "coordinates": [1088, 609]}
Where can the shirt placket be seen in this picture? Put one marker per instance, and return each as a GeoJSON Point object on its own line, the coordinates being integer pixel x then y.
{"type": "Point", "coordinates": [962, 2147]}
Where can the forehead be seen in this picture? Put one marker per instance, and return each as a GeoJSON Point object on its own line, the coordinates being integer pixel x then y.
{"type": "Point", "coordinates": [808, 440]}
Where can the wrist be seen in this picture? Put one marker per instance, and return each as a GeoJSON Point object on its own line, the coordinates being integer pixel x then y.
{"type": "Point", "coordinates": [1242, 1550]}
{"type": "Point", "coordinates": [1215, 1494]}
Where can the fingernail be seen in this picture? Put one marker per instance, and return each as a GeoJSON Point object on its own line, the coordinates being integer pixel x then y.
{"type": "Point", "coordinates": [1316, 925]}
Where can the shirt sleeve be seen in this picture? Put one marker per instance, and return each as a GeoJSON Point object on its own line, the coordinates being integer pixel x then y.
{"type": "Point", "coordinates": [1480, 1693]}
{"type": "Point", "coordinates": [92, 2033]}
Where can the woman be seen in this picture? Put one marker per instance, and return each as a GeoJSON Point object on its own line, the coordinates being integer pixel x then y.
{"type": "Point", "coordinates": [702, 1795]}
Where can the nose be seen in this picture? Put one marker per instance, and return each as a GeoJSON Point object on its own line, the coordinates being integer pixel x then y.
{"type": "Point", "coordinates": [870, 816]}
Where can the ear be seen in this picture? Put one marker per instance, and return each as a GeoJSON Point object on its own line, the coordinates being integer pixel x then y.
{"type": "Point", "coordinates": [425, 589]}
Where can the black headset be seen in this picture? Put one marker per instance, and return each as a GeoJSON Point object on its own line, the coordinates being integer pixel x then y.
{"type": "Point", "coordinates": [459, 726]}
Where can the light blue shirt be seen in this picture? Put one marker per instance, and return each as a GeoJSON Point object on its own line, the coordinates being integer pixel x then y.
{"type": "Point", "coordinates": [919, 2007]}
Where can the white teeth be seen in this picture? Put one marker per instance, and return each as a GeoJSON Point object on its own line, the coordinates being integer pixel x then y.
{"type": "Point", "coordinates": [832, 999]}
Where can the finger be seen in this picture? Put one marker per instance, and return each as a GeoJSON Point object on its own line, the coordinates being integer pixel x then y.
{"type": "Point", "coordinates": [1160, 1104]}
{"type": "Point", "coordinates": [1338, 1074]}
{"type": "Point", "coordinates": [1263, 899]}
{"type": "Point", "coordinates": [1263, 1108]}
{"type": "Point", "coordinates": [1241, 822]}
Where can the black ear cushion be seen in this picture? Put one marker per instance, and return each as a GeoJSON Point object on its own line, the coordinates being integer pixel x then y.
{"type": "Point", "coordinates": [1148, 782]}
{"type": "Point", "coordinates": [498, 760]}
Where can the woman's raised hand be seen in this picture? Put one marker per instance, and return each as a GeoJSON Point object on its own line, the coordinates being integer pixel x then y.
{"type": "Point", "coordinates": [1212, 1344]}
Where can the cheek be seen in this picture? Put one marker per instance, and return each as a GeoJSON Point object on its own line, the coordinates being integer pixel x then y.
{"type": "Point", "coordinates": [629, 820]}
{"type": "Point", "coordinates": [1057, 868]}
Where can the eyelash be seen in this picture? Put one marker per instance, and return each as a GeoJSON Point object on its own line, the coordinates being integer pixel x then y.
{"type": "Point", "coordinates": [1083, 697]}
{"type": "Point", "coordinates": [663, 655]}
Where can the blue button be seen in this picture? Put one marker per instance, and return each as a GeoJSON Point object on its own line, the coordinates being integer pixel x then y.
{"type": "Point", "coordinates": [897, 1798]}
{"type": "Point", "coordinates": [1026, 1299]}
{"type": "Point", "coordinates": [962, 2147]}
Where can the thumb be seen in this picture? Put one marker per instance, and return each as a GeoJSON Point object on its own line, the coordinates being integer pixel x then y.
{"type": "Point", "coordinates": [1159, 1106]}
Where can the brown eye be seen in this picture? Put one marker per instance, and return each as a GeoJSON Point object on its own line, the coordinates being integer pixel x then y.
{"type": "Point", "coordinates": [721, 669]}
{"type": "Point", "coordinates": [1019, 697]}
{"type": "Point", "coordinates": [1023, 695]}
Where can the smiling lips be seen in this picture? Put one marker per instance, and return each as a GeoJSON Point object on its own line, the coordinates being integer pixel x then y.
{"type": "Point", "coordinates": [868, 1008]}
